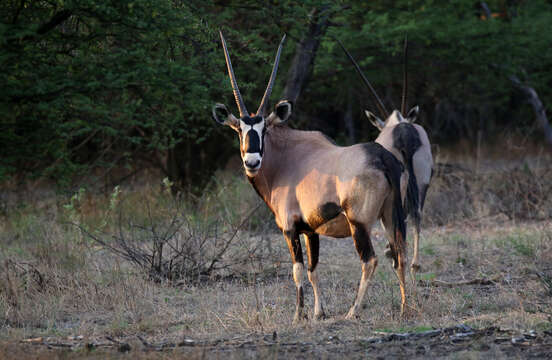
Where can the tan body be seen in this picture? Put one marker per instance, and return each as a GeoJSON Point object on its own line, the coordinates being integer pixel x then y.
{"type": "Point", "coordinates": [298, 191]}
{"type": "Point", "coordinates": [303, 170]}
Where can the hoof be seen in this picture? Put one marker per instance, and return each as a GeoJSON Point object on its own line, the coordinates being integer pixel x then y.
{"type": "Point", "coordinates": [407, 313]}
{"type": "Point", "coordinates": [298, 318]}
{"type": "Point", "coordinates": [320, 316]}
{"type": "Point", "coordinates": [387, 252]}
{"type": "Point", "coordinates": [351, 315]}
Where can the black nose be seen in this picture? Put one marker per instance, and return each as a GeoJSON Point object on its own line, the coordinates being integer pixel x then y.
{"type": "Point", "coordinates": [252, 164]}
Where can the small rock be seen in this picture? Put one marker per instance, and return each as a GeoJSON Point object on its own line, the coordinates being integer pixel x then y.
{"type": "Point", "coordinates": [187, 342]}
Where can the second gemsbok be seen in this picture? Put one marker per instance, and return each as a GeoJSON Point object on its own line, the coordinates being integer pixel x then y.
{"type": "Point", "coordinates": [410, 144]}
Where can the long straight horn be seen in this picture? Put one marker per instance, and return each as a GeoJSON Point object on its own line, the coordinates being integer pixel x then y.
{"type": "Point", "coordinates": [378, 101]}
{"type": "Point", "coordinates": [268, 90]}
{"type": "Point", "coordinates": [405, 75]}
{"type": "Point", "coordinates": [235, 89]}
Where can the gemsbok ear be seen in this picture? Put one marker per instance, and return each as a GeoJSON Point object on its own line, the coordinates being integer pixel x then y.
{"type": "Point", "coordinates": [221, 115]}
{"type": "Point", "coordinates": [412, 115]}
{"type": "Point", "coordinates": [281, 113]}
{"type": "Point", "coordinates": [376, 121]}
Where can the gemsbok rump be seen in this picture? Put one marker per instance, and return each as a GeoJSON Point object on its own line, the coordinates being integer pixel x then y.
{"type": "Point", "coordinates": [315, 187]}
{"type": "Point", "coordinates": [410, 144]}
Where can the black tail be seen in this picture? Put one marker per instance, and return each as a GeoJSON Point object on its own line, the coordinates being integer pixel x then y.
{"type": "Point", "coordinates": [393, 171]}
{"type": "Point", "coordinates": [412, 196]}
{"type": "Point", "coordinates": [407, 140]}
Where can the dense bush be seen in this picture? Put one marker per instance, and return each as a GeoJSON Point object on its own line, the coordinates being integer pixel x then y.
{"type": "Point", "coordinates": [96, 84]}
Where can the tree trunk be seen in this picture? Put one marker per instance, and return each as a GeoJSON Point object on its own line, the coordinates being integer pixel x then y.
{"type": "Point", "coordinates": [540, 111]}
{"type": "Point", "coordinates": [305, 53]}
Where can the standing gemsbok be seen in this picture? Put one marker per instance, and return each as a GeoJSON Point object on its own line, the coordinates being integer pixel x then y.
{"type": "Point", "coordinates": [410, 144]}
{"type": "Point", "coordinates": [314, 188]}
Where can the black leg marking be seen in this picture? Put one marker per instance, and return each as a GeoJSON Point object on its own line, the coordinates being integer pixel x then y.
{"type": "Point", "coordinates": [363, 244]}
{"type": "Point", "coordinates": [300, 298]}
{"type": "Point", "coordinates": [313, 246]}
{"type": "Point", "coordinates": [294, 245]}
{"type": "Point", "coordinates": [369, 262]}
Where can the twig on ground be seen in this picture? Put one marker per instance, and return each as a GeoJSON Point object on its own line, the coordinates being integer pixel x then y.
{"type": "Point", "coordinates": [441, 283]}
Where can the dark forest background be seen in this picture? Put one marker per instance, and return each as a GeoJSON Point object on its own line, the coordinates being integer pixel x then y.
{"type": "Point", "coordinates": [89, 86]}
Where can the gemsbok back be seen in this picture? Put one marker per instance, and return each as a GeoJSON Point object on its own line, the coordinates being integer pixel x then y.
{"type": "Point", "coordinates": [410, 144]}
{"type": "Point", "coordinates": [315, 187]}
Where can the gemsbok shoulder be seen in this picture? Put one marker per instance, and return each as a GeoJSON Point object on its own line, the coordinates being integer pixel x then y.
{"type": "Point", "coordinates": [410, 144]}
{"type": "Point", "coordinates": [315, 187]}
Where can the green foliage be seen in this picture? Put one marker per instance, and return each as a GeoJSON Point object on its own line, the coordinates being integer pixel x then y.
{"type": "Point", "coordinates": [110, 81]}
{"type": "Point", "coordinates": [97, 83]}
{"type": "Point", "coordinates": [455, 55]}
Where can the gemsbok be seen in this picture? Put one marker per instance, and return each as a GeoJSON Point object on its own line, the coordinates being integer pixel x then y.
{"type": "Point", "coordinates": [410, 144]}
{"type": "Point", "coordinates": [315, 187]}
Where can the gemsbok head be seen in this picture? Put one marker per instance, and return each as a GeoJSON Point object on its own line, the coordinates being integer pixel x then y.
{"type": "Point", "coordinates": [410, 144]}
{"type": "Point", "coordinates": [251, 128]}
{"type": "Point", "coordinates": [315, 187]}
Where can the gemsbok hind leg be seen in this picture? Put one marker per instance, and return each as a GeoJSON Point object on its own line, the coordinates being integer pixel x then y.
{"type": "Point", "coordinates": [415, 265]}
{"type": "Point", "coordinates": [363, 245]}
{"type": "Point", "coordinates": [312, 243]}
{"type": "Point", "coordinates": [294, 245]}
{"type": "Point", "coordinates": [398, 250]}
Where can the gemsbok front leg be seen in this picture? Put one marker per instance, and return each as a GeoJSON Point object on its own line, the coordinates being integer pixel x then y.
{"type": "Point", "coordinates": [363, 245]}
{"type": "Point", "coordinates": [294, 245]}
{"type": "Point", "coordinates": [312, 242]}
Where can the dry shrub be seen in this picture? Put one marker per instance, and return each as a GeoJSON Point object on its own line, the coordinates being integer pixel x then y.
{"type": "Point", "coordinates": [449, 195]}
{"type": "Point", "coordinates": [178, 238]}
{"type": "Point", "coordinates": [519, 193]}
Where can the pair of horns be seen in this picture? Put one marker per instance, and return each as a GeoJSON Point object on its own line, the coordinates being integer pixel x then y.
{"type": "Point", "coordinates": [383, 111]}
{"type": "Point", "coordinates": [236, 90]}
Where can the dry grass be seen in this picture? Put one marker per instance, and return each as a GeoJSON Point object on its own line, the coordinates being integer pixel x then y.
{"type": "Point", "coordinates": [55, 282]}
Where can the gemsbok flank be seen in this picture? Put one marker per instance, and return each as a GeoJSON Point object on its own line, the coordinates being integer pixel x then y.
{"type": "Point", "coordinates": [315, 187]}
{"type": "Point", "coordinates": [410, 144]}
